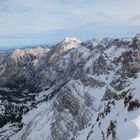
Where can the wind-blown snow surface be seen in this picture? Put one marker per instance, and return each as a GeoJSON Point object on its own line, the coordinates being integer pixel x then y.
{"type": "Point", "coordinates": [91, 92]}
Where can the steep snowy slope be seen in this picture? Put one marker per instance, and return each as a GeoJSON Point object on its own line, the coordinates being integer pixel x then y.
{"type": "Point", "coordinates": [86, 90]}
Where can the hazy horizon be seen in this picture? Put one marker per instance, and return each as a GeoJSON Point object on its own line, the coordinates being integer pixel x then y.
{"type": "Point", "coordinates": [30, 22]}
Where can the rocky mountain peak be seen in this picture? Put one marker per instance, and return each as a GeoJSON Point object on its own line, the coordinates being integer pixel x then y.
{"type": "Point", "coordinates": [64, 46]}
{"type": "Point", "coordinates": [71, 39]}
{"type": "Point", "coordinates": [138, 36]}
{"type": "Point", "coordinates": [17, 53]}
{"type": "Point", "coordinates": [69, 43]}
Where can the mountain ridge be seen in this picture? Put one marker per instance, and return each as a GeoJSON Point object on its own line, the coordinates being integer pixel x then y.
{"type": "Point", "coordinates": [80, 90]}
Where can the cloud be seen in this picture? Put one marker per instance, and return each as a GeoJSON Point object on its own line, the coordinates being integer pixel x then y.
{"type": "Point", "coordinates": [78, 17]}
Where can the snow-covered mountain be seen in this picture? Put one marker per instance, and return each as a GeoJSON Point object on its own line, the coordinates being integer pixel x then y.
{"type": "Point", "coordinates": [17, 53]}
{"type": "Point", "coordinates": [78, 90]}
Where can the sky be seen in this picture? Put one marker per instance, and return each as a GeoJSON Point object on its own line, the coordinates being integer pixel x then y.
{"type": "Point", "coordinates": [33, 22]}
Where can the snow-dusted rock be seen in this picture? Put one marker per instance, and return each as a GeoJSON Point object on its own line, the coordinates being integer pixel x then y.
{"type": "Point", "coordinates": [79, 90]}
{"type": "Point", "coordinates": [19, 53]}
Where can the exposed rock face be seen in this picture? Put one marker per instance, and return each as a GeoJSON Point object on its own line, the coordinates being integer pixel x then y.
{"type": "Point", "coordinates": [65, 45]}
{"type": "Point", "coordinates": [72, 108]}
{"type": "Point", "coordinates": [19, 53]}
{"type": "Point", "coordinates": [18, 65]}
{"type": "Point", "coordinates": [87, 87]}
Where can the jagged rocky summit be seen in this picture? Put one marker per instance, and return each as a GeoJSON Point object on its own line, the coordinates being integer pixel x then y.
{"type": "Point", "coordinates": [77, 90]}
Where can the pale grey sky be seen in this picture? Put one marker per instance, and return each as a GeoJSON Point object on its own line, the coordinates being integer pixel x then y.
{"type": "Point", "coordinates": [27, 22]}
